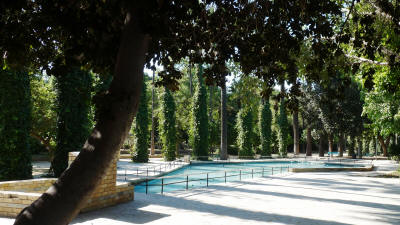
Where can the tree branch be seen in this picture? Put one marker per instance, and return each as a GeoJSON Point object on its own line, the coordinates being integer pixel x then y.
{"type": "Point", "coordinates": [364, 60]}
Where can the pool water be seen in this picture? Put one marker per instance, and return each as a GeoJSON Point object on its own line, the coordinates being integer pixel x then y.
{"type": "Point", "coordinates": [204, 174]}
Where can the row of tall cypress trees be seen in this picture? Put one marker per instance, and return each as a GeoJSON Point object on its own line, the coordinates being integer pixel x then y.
{"type": "Point", "coordinates": [199, 127]}
{"type": "Point", "coordinates": [73, 107]}
{"type": "Point", "coordinates": [199, 124]}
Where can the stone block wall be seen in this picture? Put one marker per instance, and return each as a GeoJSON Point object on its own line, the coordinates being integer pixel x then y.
{"type": "Point", "coordinates": [16, 195]}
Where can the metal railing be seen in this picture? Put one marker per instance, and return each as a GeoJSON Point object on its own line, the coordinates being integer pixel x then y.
{"type": "Point", "coordinates": [152, 171]}
{"type": "Point", "coordinates": [187, 179]}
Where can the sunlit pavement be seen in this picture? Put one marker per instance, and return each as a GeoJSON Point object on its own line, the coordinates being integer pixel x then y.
{"type": "Point", "coordinates": [305, 198]}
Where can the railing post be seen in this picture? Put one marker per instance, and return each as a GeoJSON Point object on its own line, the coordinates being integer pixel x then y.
{"type": "Point", "coordinates": [147, 174]}
{"type": "Point", "coordinates": [187, 182]}
{"type": "Point", "coordinates": [272, 171]}
{"type": "Point", "coordinates": [137, 171]}
{"type": "Point", "coordinates": [240, 175]}
{"type": "Point", "coordinates": [252, 174]}
{"type": "Point", "coordinates": [207, 179]}
{"type": "Point", "coordinates": [262, 172]}
{"type": "Point", "coordinates": [225, 176]}
{"type": "Point", "coordinates": [147, 185]}
{"type": "Point", "coordinates": [162, 185]}
{"type": "Point", "coordinates": [125, 174]}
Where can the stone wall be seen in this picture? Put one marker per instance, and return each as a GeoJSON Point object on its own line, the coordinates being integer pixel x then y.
{"type": "Point", "coordinates": [16, 195]}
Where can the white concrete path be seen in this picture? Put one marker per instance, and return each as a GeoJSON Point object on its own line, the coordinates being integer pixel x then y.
{"type": "Point", "coordinates": [338, 198]}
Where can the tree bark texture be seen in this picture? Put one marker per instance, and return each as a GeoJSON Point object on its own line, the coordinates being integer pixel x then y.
{"type": "Point", "coordinates": [321, 147]}
{"type": "Point", "coordinates": [342, 142]}
{"type": "Point", "coordinates": [224, 126]}
{"type": "Point", "coordinates": [63, 201]}
{"type": "Point", "coordinates": [296, 139]}
{"type": "Point", "coordinates": [152, 147]}
{"type": "Point", "coordinates": [309, 142]}
{"type": "Point", "coordinates": [359, 148]}
{"type": "Point", "coordinates": [384, 144]}
{"type": "Point", "coordinates": [330, 143]}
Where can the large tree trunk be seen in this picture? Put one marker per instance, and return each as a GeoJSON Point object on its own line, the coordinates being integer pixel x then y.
{"type": "Point", "coordinates": [62, 201]}
{"type": "Point", "coordinates": [384, 144]}
{"type": "Point", "coordinates": [296, 139]}
{"type": "Point", "coordinates": [341, 144]}
{"type": "Point", "coordinates": [309, 142]}
{"type": "Point", "coordinates": [321, 147]}
{"type": "Point", "coordinates": [152, 148]}
{"type": "Point", "coordinates": [224, 126]}
{"type": "Point", "coordinates": [352, 146]}
{"type": "Point", "coordinates": [359, 148]}
{"type": "Point", "coordinates": [330, 143]}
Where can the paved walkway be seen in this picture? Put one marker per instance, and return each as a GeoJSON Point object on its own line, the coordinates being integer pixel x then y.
{"type": "Point", "coordinates": [338, 198]}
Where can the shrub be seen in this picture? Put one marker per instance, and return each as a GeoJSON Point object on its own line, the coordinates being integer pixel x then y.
{"type": "Point", "coordinates": [394, 152]}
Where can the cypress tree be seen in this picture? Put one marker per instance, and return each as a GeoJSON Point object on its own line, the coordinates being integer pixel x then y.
{"type": "Point", "coordinates": [141, 130]}
{"type": "Point", "coordinates": [283, 129]}
{"type": "Point", "coordinates": [265, 121]}
{"type": "Point", "coordinates": [73, 121]}
{"type": "Point", "coordinates": [200, 119]}
{"type": "Point", "coordinates": [167, 126]}
{"type": "Point", "coordinates": [15, 125]}
{"type": "Point", "coordinates": [244, 125]}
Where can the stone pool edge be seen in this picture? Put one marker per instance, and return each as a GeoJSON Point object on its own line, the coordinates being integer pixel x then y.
{"type": "Point", "coordinates": [303, 170]}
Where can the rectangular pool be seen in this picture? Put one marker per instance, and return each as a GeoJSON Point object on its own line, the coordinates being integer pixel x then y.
{"type": "Point", "coordinates": [204, 174]}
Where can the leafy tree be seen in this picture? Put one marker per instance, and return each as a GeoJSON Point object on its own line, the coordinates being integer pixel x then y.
{"type": "Point", "coordinates": [73, 120]}
{"type": "Point", "coordinates": [265, 123]}
{"type": "Point", "coordinates": [167, 126]}
{"type": "Point", "coordinates": [382, 108]}
{"type": "Point", "coordinates": [141, 129]}
{"type": "Point", "coordinates": [15, 125]}
{"type": "Point", "coordinates": [244, 125]}
{"type": "Point", "coordinates": [200, 119]}
{"type": "Point", "coordinates": [340, 111]}
{"type": "Point", "coordinates": [85, 34]}
{"type": "Point", "coordinates": [44, 117]}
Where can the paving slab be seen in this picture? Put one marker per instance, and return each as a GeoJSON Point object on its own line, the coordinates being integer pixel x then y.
{"type": "Point", "coordinates": [338, 198]}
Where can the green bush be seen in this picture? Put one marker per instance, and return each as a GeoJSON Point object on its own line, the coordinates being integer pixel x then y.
{"type": "Point", "coordinates": [232, 150]}
{"type": "Point", "coordinates": [36, 146]}
{"type": "Point", "coordinates": [141, 130]}
{"type": "Point", "coordinates": [73, 121]}
{"type": "Point", "coordinates": [394, 151]}
{"type": "Point", "coordinates": [15, 125]}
